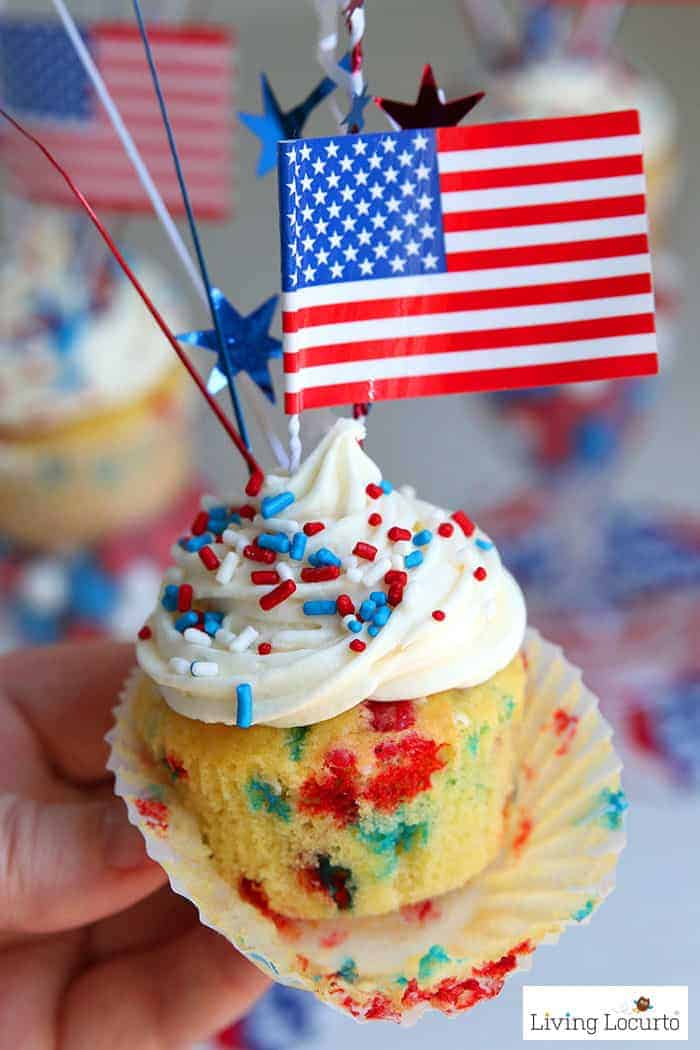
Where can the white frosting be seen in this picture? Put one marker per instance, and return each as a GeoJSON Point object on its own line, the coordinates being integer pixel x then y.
{"type": "Point", "coordinates": [565, 86]}
{"type": "Point", "coordinates": [311, 673]}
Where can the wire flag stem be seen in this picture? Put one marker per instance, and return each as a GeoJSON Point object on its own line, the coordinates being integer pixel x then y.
{"type": "Point", "coordinates": [194, 232]}
{"type": "Point", "coordinates": [256, 474]}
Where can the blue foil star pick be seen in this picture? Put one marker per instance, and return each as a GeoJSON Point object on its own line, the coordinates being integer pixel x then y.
{"type": "Point", "coordinates": [274, 124]}
{"type": "Point", "coordinates": [355, 120]}
{"type": "Point", "coordinates": [248, 345]}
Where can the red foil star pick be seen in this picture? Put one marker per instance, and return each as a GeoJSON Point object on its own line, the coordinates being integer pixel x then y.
{"type": "Point", "coordinates": [428, 111]}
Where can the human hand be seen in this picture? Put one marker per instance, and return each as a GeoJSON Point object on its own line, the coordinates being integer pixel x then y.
{"type": "Point", "coordinates": [95, 950]}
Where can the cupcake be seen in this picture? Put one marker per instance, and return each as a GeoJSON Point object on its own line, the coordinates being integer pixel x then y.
{"type": "Point", "coordinates": [326, 743]}
{"type": "Point", "coordinates": [94, 416]}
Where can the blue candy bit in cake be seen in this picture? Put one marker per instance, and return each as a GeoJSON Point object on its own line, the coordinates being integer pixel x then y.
{"type": "Point", "coordinates": [271, 506]}
{"type": "Point", "coordinates": [262, 795]}
{"type": "Point", "coordinates": [431, 961]}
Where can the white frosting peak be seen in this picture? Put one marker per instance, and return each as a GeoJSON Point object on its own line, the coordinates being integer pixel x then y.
{"type": "Point", "coordinates": [311, 672]}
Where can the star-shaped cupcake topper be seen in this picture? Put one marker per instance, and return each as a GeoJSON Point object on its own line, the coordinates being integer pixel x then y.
{"type": "Point", "coordinates": [355, 120]}
{"type": "Point", "coordinates": [428, 111]}
{"type": "Point", "coordinates": [249, 347]}
{"type": "Point", "coordinates": [275, 124]}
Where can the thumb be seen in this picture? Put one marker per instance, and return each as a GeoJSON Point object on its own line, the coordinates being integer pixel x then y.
{"type": "Point", "coordinates": [66, 864]}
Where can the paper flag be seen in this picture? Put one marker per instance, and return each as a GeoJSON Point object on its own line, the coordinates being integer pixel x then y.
{"type": "Point", "coordinates": [464, 259]}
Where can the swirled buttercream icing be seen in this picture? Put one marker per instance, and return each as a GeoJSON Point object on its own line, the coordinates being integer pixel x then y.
{"type": "Point", "coordinates": [333, 587]}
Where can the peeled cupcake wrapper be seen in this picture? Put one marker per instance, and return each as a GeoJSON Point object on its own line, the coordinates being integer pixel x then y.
{"type": "Point", "coordinates": [563, 835]}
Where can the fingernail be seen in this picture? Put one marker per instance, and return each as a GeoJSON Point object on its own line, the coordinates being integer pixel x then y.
{"type": "Point", "coordinates": [124, 845]}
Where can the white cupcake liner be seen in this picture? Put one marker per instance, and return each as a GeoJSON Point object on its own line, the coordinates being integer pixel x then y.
{"type": "Point", "coordinates": [563, 835]}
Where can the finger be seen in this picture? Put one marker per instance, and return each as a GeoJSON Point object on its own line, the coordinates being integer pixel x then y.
{"type": "Point", "coordinates": [147, 923]}
{"type": "Point", "coordinates": [66, 864]}
{"type": "Point", "coordinates": [178, 994]}
{"type": "Point", "coordinates": [66, 693]}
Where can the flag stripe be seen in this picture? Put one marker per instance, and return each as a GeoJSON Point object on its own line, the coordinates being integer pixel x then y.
{"type": "Point", "coordinates": [543, 193]}
{"type": "Point", "coordinates": [531, 215]}
{"type": "Point", "coordinates": [544, 153]}
{"type": "Point", "coordinates": [532, 174]}
{"type": "Point", "coordinates": [613, 367]}
{"type": "Point", "coordinates": [526, 132]}
{"type": "Point", "coordinates": [468, 341]}
{"type": "Point", "coordinates": [536, 255]}
{"type": "Point", "coordinates": [486, 299]}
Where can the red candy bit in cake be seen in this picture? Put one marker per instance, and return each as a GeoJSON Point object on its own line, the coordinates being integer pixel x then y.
{"type": "Point", "coordinates": [565, 726]}
{"type": "Point", "coordinates": [184, 597]}
{"type": "Point", "coordinates": [345, 605]}
{"type": "Point", "coordinates": [176, 767]}
{"type": "Point", "coordinates": [408, 764]}
{"type": "Point", "coordinates": [254, 894]}
{"type": "Point", "coordinates": [451, 995]}
{"type": "Point", "coordinates": [391, 716]}
{"type": "Point", "coordinates": [265, 648]}
{"type": "Point", "coordinates": [365, 550]}
{"type": "Point", "coordinates": [446, 529]}
{"type": "Point", "coordinates": [259, 554]}
{"type": "Point", "coordinates": [209, 559]}
{"type": "Point", "coordinates": [523, 833]}
{"type": "Point", "coordinates": [438, 615]}
{"type": "Point", "coordinates": [466, 524]}
{"type": "Point", "coordinates": [199, 525]}
{"type": "Point", "coordinates": [374, 491]}
{"type": "Point", "coordinates": [145, 633]}
{"type": "Point", "coordinates": [331, 880]}
{"type": "Point", "coordinates": [480, 573]}
{"type": "Point", "coordinates": [320, 574]}
{"type": "Point", "coordinates": [312, 527]}
{"type": "Point", "coordinates": [381, 1008]}
{"type": "Point", "coordinates": [420, 912]}
{"type": "Point", "coordinates": [335, 793]}
{"type": "Point", "coordinates": [374, 520]}
{"type": "Point", "coordinates": [396, 533]}
{"type": "Point", "coordinates": [334, 938]}
{"type": "Point", "coordinates": [155, 813]}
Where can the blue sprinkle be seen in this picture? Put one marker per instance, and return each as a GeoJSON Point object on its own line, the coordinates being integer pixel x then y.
{"type": "Point", "coordinates": [244, 706]}
{"type": "Point", "coordinates": [169, 599]}
{"type": "Point", "coordinates": [188, 619]}
{"type": "Point", "coordinates": [235, 519]}
{"type": "Point", "coordinates": [320, 608]}
{"type": "Point", "coordinates": [195, 543]}
{"type": "Point", "coordinates": [355, 626]}
{"type": "Point", "coordinates": [373, 630]}
{"type": "Point", "coordinates": [422, 538]}
{"type": "Point", "coordinates": [274, 541]}
{"type": "Point", "coordinates": [324, 557]}
{"type": "Point", "coordinates": [368, 609]}
{"type": "Point", "coordinates": [298, 546]}
{"type": "Point", "coordinates": [386, 487]}
{"type": "Point", "coordinates": [413, 559]}
{"type": "Point", "coordinates": [218, 512]}
{"type": "Point", "coordinates": [378, 597]}
{"type": "Point", "coordinates": [382, 615]}
{"type": "Point", "coordinates": [271, 506]}
{"type": "Point", "coordinates": [485, 545]}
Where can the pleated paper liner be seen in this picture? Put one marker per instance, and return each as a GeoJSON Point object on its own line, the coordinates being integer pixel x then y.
{"type": "Point", "coordinates": [563, 835]}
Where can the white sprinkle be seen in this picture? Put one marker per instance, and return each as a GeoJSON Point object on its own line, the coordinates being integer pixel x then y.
{"type": "Point", "coordinates": [277, 525]}
{"type": "Point", "coordinates": [204, 668]}
{"type": "Point", "coordinates": [284, 571]}
{"type": "Point", "coordinates": [227, 568]}
{"type": "Point", "coordinates": [355, 575]}
{"type": "Point", "coordinates": [174, 575]}
{"type": "Point", "coordinates": [244, 640]}
{"type": "Point", "coordinates": [408, 491]}
{"type": "Point", "coordinates": [235, 539]}
{"type": "Point", "coordinates": [350, 562]}
{"type": "Point", "coordinates": [349, 619]}
{"type": "Point", "coordinates": [197, 637]}
{"type": "Point", "coordinates": [376, 571]}
{"type": "Point", "coordinates": [224, 637]}
{"type": "Point", "coordinates": [178, 665]}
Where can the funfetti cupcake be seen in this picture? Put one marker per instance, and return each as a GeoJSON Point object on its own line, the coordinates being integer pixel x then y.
{"type": "Point", "coordinates": [345, 748]}
{"type": "Point", "coordinates": [94, 416]}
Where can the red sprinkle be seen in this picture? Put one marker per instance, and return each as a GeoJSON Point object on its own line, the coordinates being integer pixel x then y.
{"type": "Point", "coordinates": [466, 524]}
{"type": "Point", "coordinates": [396, 533]}
{"type": "Point", "coordinates": [480, 573]}
{"type": "Point", "coordinates": [246, 511]}
{"type": "Point", "coordinates": [321, 573]}
{"type": "Point", "coordinates": [265, 576]}
{"type": "Point", "coordinates": [265, 648]}
{"type": "Point", "coordinates": [199, 525]}
{"type": "Point", "coordinates": [312, 527]}
{"type": "Point", "coordinates": [279, 595]}
{"type": "Point", "coordinates": [391, 716]}
{"type": "Point", "coordinates": [184, 598]}
{"type": "Point", "coordinates": [394, 595]}
{"type": "Point", "coordinates": [365, 550]}
{"type": "Point", "coordinates": [374, 491]}
{"type": "Point", "coordinates": [374, 520]}
{"type": "Point", "coordinates": [357, 645]}
{"type": "Point", "coordinates": [255, 483]}
{"type": "Point", "coordinates": [261, 554]}
{"type": "Point", "coordinates": [446, 529]}
{"type": "Point", "coordinates": [145, 633]}
{"type": "Point", "coordinates": [345, 605]}
{"type": "Point", "coordinates": [438, 614]}
{"type": "Point", "coordinates": [209, 559]}
{"type": "Point", "coordinates": [396, 576]}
